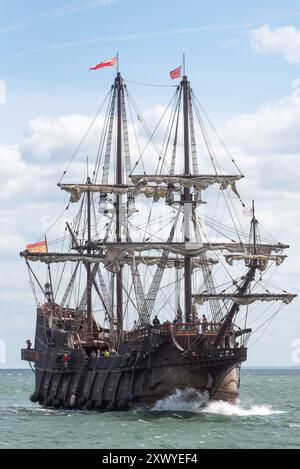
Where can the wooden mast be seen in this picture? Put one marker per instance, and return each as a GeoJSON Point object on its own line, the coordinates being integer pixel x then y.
{"type": "Point", "coordinates": [249, 277]}
{"type": "Point", "coordinates": [187, 201]}
{"type": "Point", "coordinates": [118, 207]}
{"type": "Point", "coordinates": [254, 223]}
{"type": "Point", "coordinates": [88, 265]}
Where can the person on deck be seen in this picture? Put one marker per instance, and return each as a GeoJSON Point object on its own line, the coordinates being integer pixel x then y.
{"type": "Point", "coordinates": [65, 360]}
{"type": "Point", "coordinates": [29, 344]}
{"type": "Point", "coordinates": [204, 323]}
{"type": "Point", "coordinates": [135, 325]}
{"type": "Point", "coordinates": [156, 321]}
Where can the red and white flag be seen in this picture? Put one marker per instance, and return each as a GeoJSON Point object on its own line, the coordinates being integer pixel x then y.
{"type": "Point", "coordinates": [107, 63]}
{"type": "Point", "coordinates": [176, 73]}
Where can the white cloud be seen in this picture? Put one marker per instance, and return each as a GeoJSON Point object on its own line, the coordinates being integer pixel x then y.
{"type": "Point", "coordinates": [284, 40]}
{"type": "Point", "coordinates": [48, 139]}
{"type": "Point", "coordinates": [272, 129]}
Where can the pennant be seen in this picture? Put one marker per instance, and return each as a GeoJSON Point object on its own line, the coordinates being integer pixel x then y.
{"type": "Point", "coordinates": [176, 73]}
{"type": "Point", "coordinates": [107, 63]}
{"type": "Point", "coordinates": [248, 212]}
{"type": "Point", "coordinates": [37, 247]}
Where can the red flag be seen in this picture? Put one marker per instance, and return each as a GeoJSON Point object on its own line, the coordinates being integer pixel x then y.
{"type": "Point", "coordinates": [107, 63]}
{"type": "Point", "coordinates": [176, 73]}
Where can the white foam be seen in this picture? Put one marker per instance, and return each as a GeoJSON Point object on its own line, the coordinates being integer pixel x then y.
{"type": "Point", "coordinates": [191, 400]}
{"type": "Point", "coordinates": [188, 400]}
{"type": "Point", "coordinates": [227, 409]}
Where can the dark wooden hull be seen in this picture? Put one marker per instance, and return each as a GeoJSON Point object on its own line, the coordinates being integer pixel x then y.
{"type": "Point", "coordinates": [145, 371]}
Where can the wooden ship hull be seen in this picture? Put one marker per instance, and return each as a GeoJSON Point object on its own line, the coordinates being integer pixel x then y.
{"type": "Point", "coordinates": [152, 364]}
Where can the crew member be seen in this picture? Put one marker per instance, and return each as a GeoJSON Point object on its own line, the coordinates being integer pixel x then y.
{"type": "Point", "coordinates": [156, 321]}
{"type": "Point", "coordinates": [204, 323]}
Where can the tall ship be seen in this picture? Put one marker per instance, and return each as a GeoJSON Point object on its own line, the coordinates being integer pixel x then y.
{"type": "Point", "coordinates": [150, 284]}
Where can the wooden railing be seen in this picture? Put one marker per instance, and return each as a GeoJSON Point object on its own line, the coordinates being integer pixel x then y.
{"type": "Point", "coordinates": [187, 328]}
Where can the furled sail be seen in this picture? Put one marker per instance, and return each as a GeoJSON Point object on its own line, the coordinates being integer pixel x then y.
{"type": "Point", "coordinates": [141, 185]}
{"type": "Point", "coordinates": [200, 182]}
{"type": "Point", "coordinates": [261, 259]}
{"type": "Point", "coordinates": [189, 249]}
{"type": "Point", "coordinates": [76, 190]}
{"type": "Point", "coordinates": [113, 262]}
{"type": "Point", "coordinates": [245, 299]}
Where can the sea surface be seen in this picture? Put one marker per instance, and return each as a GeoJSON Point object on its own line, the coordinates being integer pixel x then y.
{"type": "Point", "coordinates": [268, 416]}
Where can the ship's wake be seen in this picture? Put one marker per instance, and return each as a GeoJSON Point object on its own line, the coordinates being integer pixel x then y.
{"type": "Point", "coordinates": [191, 400]}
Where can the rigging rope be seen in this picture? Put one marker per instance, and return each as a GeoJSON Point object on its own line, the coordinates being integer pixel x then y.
{"type": "Point", "coordinates": [150, 84]}
{"type": "Point", "coordinates": [154, 287]}
{"type": "Point", "coordinates": [173, 160]}
{"type": "Point", "coordinates": [109, 140]}
{"type": "Point", "coordinates": [149, 134]}
{"type": "Point", "coordinates": [83, 138]}
{"type": "Point", "coordinates": [267, 323]}
{"type": "Point", "coordinates": [165, 144]}
{"type": "Point", "coordinates": [216, 133]}
{"type": "Point", "coordinates": [193, 138]}
{"type": "Point", "coordinates": [125, 136]}
{"type": "Point", "coordinates": [102, 140]}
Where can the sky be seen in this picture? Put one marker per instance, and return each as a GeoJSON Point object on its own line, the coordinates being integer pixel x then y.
{"type": "Point", "coordinates": [243, 62]}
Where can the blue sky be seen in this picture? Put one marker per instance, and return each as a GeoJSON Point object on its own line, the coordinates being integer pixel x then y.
{"type": "Point", "coordinates": [46, 49]}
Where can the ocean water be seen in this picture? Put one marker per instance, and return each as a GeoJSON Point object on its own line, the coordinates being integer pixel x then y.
{"type": "Point", "coordinates": [268, 416]}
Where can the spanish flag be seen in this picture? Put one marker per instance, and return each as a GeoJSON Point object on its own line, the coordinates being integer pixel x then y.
{"type": "Point", "coordinates": [107, 63]}
{"type": "Point", "coordinates": [176, 73]}
{"type": "Point", "coordinates": [37, 247]}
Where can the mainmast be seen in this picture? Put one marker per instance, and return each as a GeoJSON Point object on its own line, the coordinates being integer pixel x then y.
{"type": "Point", "coordinates": [118, 205]}
{"type": "Point", "coordinates": [88, 265]}
{"type": "Point", "coordinates": [253, 229]}
{"type": "Point", "coordinates": [187, 200]}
